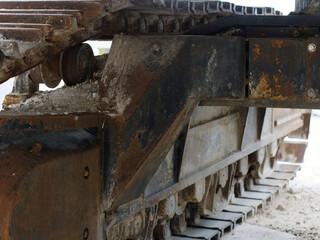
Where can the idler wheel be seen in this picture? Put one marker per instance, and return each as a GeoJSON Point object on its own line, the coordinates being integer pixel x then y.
{"type": "Point", "coordinates": [47, 73]}
{"type": "Point", "coordinates": [77, 64]}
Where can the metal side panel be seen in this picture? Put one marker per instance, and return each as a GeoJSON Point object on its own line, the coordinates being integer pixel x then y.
{"type": "Point", "coordinates": [277, 74]}
{"type": "Point", "coordinates": [210, 143]}
{"type": "Point", "coordinates": [151, 98]}
{"type": "Point", "coordinates": [49, 195]}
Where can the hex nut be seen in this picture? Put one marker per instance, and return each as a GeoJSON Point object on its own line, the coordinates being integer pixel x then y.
{"type": "Point", "coordinates": [312, 47]}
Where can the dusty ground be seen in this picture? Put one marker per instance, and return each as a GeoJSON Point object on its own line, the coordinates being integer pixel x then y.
{"type": "Point", "coordinates": [298, 211]}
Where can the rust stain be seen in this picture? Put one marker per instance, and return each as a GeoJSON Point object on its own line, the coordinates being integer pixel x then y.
{"type": "Point", "coordinates": [30, 198]}
{"type": "Point", "coordinates": [13, 99]}
{"type": "Point", "coordinates": [277, 86]}
{"type": "Point", "coordinates": [14, 165]}
{"type": "Point", "coordinates": [159, 148]}
{"type": "Point", "coordinates": [263, 87]}
{"type": "Point", "coordinates": [271, 87]}
{"type": "Point", "coordinates": [277, 43]}
{"type": "Point", "coordinates": [256, 51]}
{"type": "Point", "coordinates": [129, 161]}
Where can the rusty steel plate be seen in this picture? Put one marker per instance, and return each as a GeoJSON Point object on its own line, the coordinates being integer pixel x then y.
{"type": "Point", "coordinates": [277, 69]}
{"type": "Point", "coordinates": [284, 69]}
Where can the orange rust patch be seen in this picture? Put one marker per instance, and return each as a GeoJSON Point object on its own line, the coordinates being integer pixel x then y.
{"type": "Point", "coordinates": [12, 98]}
{"type": "Point", "coordinates": [277, 43]}
{"type": "Point", "coordinates": [270, 87]}
{"type": "Point", "coordinates": [277, 86]}
{"type": "Point", "coordinates": [263, 88]}
{"type": "Point", "coordinates": [256, 51]}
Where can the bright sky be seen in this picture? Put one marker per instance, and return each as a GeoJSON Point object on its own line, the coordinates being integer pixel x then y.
{"type": "Point", "coordinates": [285, 6]}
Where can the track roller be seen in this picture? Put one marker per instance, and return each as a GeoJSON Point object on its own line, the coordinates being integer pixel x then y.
{"type": "Point", "coordinates": [77, 64]}
{"type": "Point", "coordinates": [47, 73]}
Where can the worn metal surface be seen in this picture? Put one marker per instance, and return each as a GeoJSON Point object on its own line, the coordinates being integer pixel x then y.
{"type": "Point", "coordinates": [253, 126]}
{"type": "Point", "coordinates": [274, 71]}
{"type": "Point", "coordinates": [288, 23]}
{"type": "Point", "coordinates": [209, 143]}
{"type": "Point", "coordinates": [292, 151]}
{"type": "Point", "coordinates": [165, 175]}
{"type": "Point", "coordinates": [48, 195]}
{"type": "Point", "coordinates": [163, 94]}
{"type": "Point", "coordinates": [33, 31]}
{"type": "Point", "coordinates": [47, 72]}
{"type": "Point", "coordinates": [281, 131]}
{"type": "Point", "coordinates": [19, 123]}
{"type": "Point", "coordinates": [23, 88]}
{"type": "Point", "coordinates": [277, 77]}
{"type": "Point", "coordinates": [201, 233]}
{"type": "Point", "coordinates": [222, 226]}
{"type": "Point", "coordinates": [77, 64]}
{"type": "Point", "coordinates": [303, 133]}
{"type": "Point", "coordinates": [150, 92]}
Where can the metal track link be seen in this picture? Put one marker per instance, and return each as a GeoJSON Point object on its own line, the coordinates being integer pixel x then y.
{"type": "Point", "coordinates": [252, 200]}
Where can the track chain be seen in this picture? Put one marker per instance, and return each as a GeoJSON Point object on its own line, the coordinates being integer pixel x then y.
{"type": "Point", "coordinates": [251, 201]}
{"type": "Point", "coordinates": [31, 32]}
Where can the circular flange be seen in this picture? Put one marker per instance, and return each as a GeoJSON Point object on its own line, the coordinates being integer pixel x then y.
{"type": "Point", "coordinates": [47, 73]}
{"type": "Point", "coordinates": [77, 64]}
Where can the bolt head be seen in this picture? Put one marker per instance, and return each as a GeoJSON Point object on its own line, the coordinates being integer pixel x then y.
{"type": "Point", "coordinates": [86, 234]}
{"type": "Point", "coordinates": [296, 33]}
{"type": "Point", "coordinates": [123, 24]}
{"type": "Point", "coordinates": [171, 205]}
{"type": "Point", "coordinates": [177, 25]}
{"type": "Point", "coordinates": [312, 47]}
{"type": "Point", "coordinates": [191, 22]}
{"type": "Point", "coordinates": [86, 173]}
{"type": "Point", "coordinates": [142, 25]}
{"type": "Point", "coordinates": [311, 93]}
{"type": "Point", "coordinates": [160, 26]}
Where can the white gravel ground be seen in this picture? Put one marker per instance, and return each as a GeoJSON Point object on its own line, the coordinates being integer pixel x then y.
{"type": "Point", "coordinates": [298, 211]}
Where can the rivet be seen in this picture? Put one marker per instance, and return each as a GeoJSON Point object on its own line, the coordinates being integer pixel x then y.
{"type": "Point", "coordinates": [177, 25]}
{"type": "Point", "coordinates": [191, 22]}
{"type": "Point", "coordinates": [123, 25]}
{"type": "Point", "coordinates": [296, 33]}
{"type": "Point", "coordinates": [311, 93]}
{"type": "Point", "coordinates": [86, 173]}
{"type": "Point", "coordinates": [312, 47]}
{"type": "Point", "coordinates": [160, 26]}
{"type": "Point", "coordinates": [142, 25]}
{"type": "Point", "coordinates": [156, 49]}
{"type": "Point", "coordinates": [36, 147]}
{"type": "Point", "coordinates": [85, 234]}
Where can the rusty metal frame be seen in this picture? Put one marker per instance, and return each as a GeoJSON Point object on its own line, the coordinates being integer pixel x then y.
{"type": "Point", "coordinates": [150, 101]}
{"type": "Point", "coordinates": [177, 71]}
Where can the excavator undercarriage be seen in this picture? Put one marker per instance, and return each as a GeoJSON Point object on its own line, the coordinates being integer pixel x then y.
{"type": "Point", "coordinates": [189, 121]}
